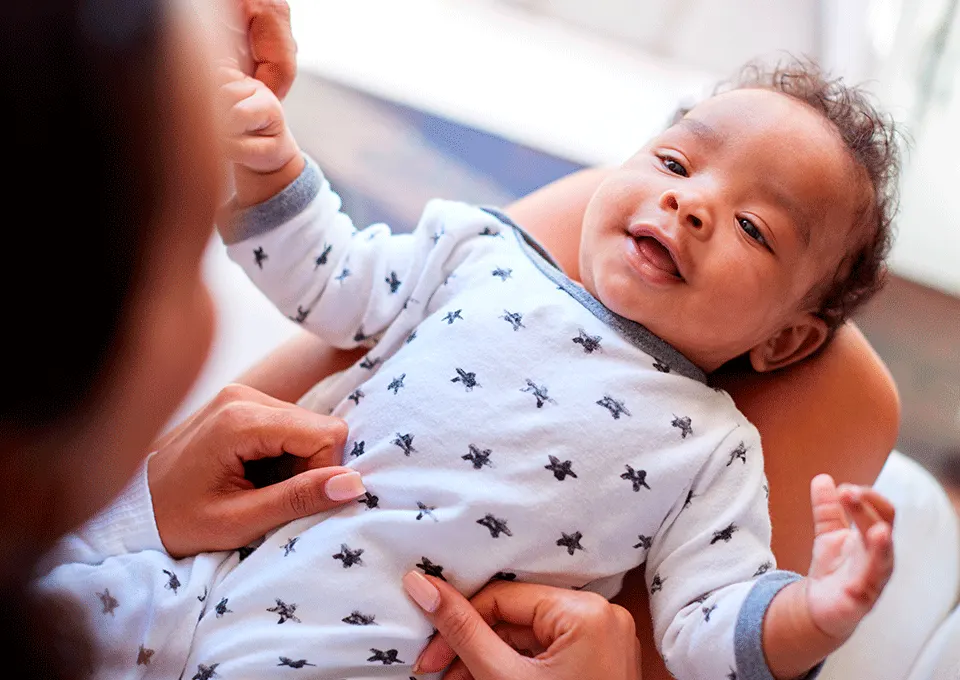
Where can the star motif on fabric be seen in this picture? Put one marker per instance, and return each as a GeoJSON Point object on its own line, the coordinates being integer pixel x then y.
{"type": "Point", "coordinates": [357, 450]}
{"type": "Point", "coordinates": [386, 658]}
{"type": "Point", "coordinates": [349, 557]}
{"type": "Point", "coordinates": [725, 534]}
{"type": "Point", "coordinates": [590, 343]}
{"type": "Point", "coordinates": [436, 235]}
{"type": "Point", "coordinates": [144, 655]}
{"type": "Point", "coordinates": [259, 257]}
{"type": "Point", "coordinates": [405, 442]}
{"type": "Point", "coordinates": [703, 598]}
{"type": "Point", "coordinates": [684, 424]}
{"type": "Point", "coordinates": [477, 457]}
{"type": "Point", "coordinates": [515, 319]}
{"type": "Point", "coordinates": [538, 391]}
{"type": "Point", "coordinates": [615, 406]}
{"type": "Point", "coordinates": [322, 258]}
{"type": "Point", "coordinates": [689, 499]}
{"type": "Point", "coordinates": [766, 490]}
{"type": "Point", "coordinates": [560, 470]}
{"type": "Point", "coordinates": [657, 584]}
{"type": "Point", "coordinates": [504, 576]}
{"type": "Point", "coordinates": [358, 619]}
{"type": "Point", "coordinates": [468, 379]}
{"type": "Point", "coordinates": [284, 611]}
{"type": "Point", "coordinates": [173, 583]}
{"type": "Point", "coordinates": [504, 274]}
{"type": "Point", "coordinates": [342, 276]}
{"type": "Point", "coordinates": [108, 601]}
{"type": "Point", "coordinates": [245, 552]}
{"type": "Point", "coordinates": [360, 336]}
{"type": "Point", "coordinates": [410, 338]}
{"type": "Point", "coordinates": [636, 477]}
{"type": "Point", "coordinates": [370, 363]}
{"type": "Point", "coordinates": [570, 541]}
{"type": "Point", "coordinates": [707, 611]}
{"type": "Point", "coordinates": [301, 315]}
{"type": "Point", "coordinates": [299, 663]}
{"type": "Point", "coordinates": [356, 396]}
{"type": "Point", "coordinates": [431, 569]}
{"type": "Point", "coordinates": [202, 598]}
{"type": "Point", "coordinates": [496, 525]}
{"type": "Point", "coordinates": [369, 500]}
{"type": "Point", "coordinates": [763, 569]}
{"type": "Point", "coordinates": [739, 453]}
{"type": "Point", "coordinates": [660, 366]}
{"type": "Point", "coordinates": [453, 316]}
{"type": "Point", "coordinates": [425, 510]}
{"type": "Point", "coordinates": [396, 384]}
{"type": "Point", "coordinates": [221, 608]}
{"type": "Point", "coordinates": [487, 231]}
{"type": "Point", "coordinates": [644, 542]}
{"type": "Point", "coordinates": [732, 675]}
{"type": "Point", "coordinates": [393, 282]}
{"type": "Point", "coordinates": [288, 546]}
{"type": "Point", "coordinates": [205, 672]}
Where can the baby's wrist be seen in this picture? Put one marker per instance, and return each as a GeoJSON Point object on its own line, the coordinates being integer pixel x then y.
{"type": "Point", "coordinates": [793, 642]}
{"type": "Point", "coordinates": [254, 186]}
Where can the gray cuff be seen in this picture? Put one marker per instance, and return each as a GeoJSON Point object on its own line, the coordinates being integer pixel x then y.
{"type": "Point", "coordinates": [277, 210]}
{"type": "Point", "coordinates": [748, 635]}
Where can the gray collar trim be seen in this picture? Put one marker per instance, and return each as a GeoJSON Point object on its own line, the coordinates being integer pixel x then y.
{"type": "Point", "coordinates": [634, 332]}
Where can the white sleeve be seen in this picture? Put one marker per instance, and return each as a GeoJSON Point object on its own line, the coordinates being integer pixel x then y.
{"type": "Point", "coordinates": [344, 285]}
{"type": "Point", "coordinates": [710, 571]}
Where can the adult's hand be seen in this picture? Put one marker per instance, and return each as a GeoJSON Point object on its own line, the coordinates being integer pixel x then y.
{"type": "Point", "coordinates": [270, 50]}
{"type": "Point", "coordinates": [566, 634]}
{"type": "Point", "coordinates": [201, 498]}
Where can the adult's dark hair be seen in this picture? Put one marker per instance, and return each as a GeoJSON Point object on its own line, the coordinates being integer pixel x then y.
{"type": "Point", "coordinates": [871, 138]}
{"type": "Point", "coordinates": [79, 92]}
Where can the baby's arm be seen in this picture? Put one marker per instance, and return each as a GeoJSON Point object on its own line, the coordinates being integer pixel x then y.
{"type": "Point", "coordinates": [811, 618]}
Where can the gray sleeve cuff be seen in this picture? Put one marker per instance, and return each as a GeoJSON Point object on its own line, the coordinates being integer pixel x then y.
{"type": "Point", "coordinates": [278, 210]}
{"type": "Point", "coordinates": [748, 635]}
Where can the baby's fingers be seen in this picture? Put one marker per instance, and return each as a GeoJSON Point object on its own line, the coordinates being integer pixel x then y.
{"type": "Point", "coordinates": [864, 515]}
{"type": "Point", "coordinates": [878, 566]}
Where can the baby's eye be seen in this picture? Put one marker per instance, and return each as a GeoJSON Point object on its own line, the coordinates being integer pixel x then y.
{"type": "Point", "coordinates": [673, 166]}
{"type": "Point", "coordinates": [751, 230]}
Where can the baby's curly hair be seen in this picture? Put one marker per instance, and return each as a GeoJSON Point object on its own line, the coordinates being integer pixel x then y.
{"type": "Point", "coordinates": [872, 138]}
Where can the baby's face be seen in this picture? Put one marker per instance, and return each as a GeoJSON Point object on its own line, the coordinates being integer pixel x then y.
{"type": "Point", "coordinates": [715, 232]}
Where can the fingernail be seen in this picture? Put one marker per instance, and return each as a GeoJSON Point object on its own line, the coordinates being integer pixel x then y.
{"type": "Point", "coordinates": [422, 591]}
{"type": "Point", "coordinates": [344, 487]}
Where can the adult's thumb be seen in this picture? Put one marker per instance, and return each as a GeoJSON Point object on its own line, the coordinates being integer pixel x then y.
{"type": "Point", "coordinates": [307, 493]}
{"type": "Point", "coordinates": [481, 650]}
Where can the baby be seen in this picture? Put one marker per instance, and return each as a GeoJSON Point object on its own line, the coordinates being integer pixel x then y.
{"type": "Point", "coordinates": [511, 423]}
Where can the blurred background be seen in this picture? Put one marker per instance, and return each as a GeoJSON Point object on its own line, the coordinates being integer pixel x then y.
{"type": "Point", "coordinates": [486, 100]}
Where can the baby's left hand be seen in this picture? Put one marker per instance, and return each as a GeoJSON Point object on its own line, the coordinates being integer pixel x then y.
{"type": "Point", "coordinates": [850, 565]}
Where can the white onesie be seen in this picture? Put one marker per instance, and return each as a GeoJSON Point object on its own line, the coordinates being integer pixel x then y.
{"type": "Point", "coordinates": [506, 424]}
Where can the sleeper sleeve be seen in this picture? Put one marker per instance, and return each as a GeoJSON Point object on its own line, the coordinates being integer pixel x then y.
{"type": "Point", "coordinates": [342, 284]}
{"type": "Point", "coordinates": [710, 572]}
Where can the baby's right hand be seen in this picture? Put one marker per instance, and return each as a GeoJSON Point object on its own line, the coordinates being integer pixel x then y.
{"type": "Point", "coordinates": [254, 132]}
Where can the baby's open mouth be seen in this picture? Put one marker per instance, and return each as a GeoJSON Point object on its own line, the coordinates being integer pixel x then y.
{"type": "Point", "coordinates": [657, 255]}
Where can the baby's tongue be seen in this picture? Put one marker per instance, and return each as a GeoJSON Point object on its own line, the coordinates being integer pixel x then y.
{"type": "Point", "coordinates": [654, 251]}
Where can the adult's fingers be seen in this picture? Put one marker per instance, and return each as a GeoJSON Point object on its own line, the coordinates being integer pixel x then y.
{"type": "Point", "coordinates": [465, 630]}
{"type": "Point", "coordinates": [272, 47]}
{"type": "Point", "coordinates": [307, 493]}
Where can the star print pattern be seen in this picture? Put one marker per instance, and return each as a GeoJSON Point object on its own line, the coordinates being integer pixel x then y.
{"type": "Point", "coordinates": [689, 499]}
{"type": "Point", "coordinates": [725, 534]}
{"type": "Point", "coordinates": [221, 608]}
{"type": "Point", "coordinates": [206, 672]}
{"type": "Point", "coordinates": [644, 542]}
{"type": "Point", "coordinates": [739, 453]}
{"type": "Point", "coordinates": [357, 449]}
{"type": "Point", "coordinates": [538, 391]}
{"type": "Point", "coordinates": [386, 658]}
{"type": "Point", "coordinates": [469, 380]}
{"type": "Point", "coordinates": [173, 583]}
{"type": "Point", "coordinates": [301, 315]}
{"type": "Point", "coordinates": [370, 363]}
{"type": "Point", "coordinates": [615, 406]}
{"type": "Point", "coordinates": [504, 274]}
{"type": "Point", "coordinates": [202, 598]}
{"type": "Point", "coordinates": [358, 619]}
{"type": "Point", "coordinates": [487, 231]}
{"type": "Point", "coordinates": [405, 442]}
{"type": "Point", "coordinates": [369, 500]}
{"type": "Point", "coordinates": [410, 338]}
{"type": "Point", "coordinates": [453, 316]}
{"type": "Point", "coordinates": [108, 601]}
{"type": "Point", "coordinates": [661, 367]}
{"type": "Point", "coordinates": [496, 525]}
{"type": "Point", "coordinates": [396, 384]}
{"type": "Point", "coordinates": [684, 424]}
{"type": "Point", "coordinates": [260, 257]}
{"type": "Point", "coordinates": [707, 611]}
{"type": "Point", "coordinates": [393, 282]}
{"type": "Point", "coordinates": [477, 457]}
{"type": "Point", "coordinates": [431, 569]}
{"type": "Point", "coordinates": [561, 470]}
{"type": "Point", "coordinates": [144, 655]}
{"type": "Point", "coordinates": [636, 477]}
{"type": "Point", "coordinates": [285, 612]}
{"type": "Point", "coordinates": [356, 396]}
{"type": "Point", "coordinates": [656, 585]}
{"type": "Point", "coordinates": [349, 557]}
{"type": "Point", "coordinates": [322, 258]}
{"type": "Point", "coordinates": [360, 336]}
{"type": "Point", "coordinates": [763, 569]}
{"type": "Point", "coordinates": [504, 576]}
{"type": "Point", "coordinates": [425, 511]}
{"type": "Point", "coordinates": [289, 545]}
{"type": "Point", "coordinates": [342, 276]}
{"type": "Point", "coordinates": [436, 236]}
{"type": "Point", "coordinates": [299, 663]}
{"type": "Point", "coordinates": [590, 343]}
{"type": "Point", "coordinates": [515, 319]}
{"type": "Point", "coordinates": [570, 541]}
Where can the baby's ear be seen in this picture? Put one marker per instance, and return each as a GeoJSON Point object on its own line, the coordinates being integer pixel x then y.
{"type": "Point", "coordinates": [790, 344]}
